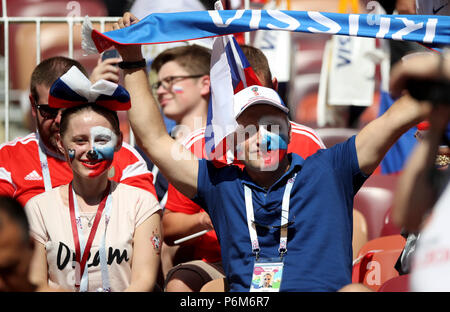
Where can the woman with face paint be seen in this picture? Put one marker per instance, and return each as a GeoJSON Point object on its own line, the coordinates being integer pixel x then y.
{"type": "Point", "coordinates": [94, 234]}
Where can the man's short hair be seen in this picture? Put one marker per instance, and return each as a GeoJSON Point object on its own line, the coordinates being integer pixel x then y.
{"type": "Point", "coordinates": [194, 59]}
{"type": "Point", "coordinates": [51, 69]}
{"type": "Point", "coordinates": [16, 213]}
{"type": "Point", "coordinates": [258, 61]}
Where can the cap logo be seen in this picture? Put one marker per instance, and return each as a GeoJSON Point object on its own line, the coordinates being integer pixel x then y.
{"type": "Point", "coordinates": [255, 91]}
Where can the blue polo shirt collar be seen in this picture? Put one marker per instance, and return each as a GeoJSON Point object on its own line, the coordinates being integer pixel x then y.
{"type": "Point", "coordinates": [296, 165]}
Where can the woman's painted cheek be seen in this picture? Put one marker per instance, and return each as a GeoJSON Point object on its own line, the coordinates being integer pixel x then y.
{"type": "Point", "coordinates": [177, 89]}
{"type": "Point", "coordinates": [104, 150]}
{"type": "Point", "coordinates": [103, 142]}
{"type": "Point", "coordinates": [104, 153]}
{"type": "Point", "coordinates": [71, 153]}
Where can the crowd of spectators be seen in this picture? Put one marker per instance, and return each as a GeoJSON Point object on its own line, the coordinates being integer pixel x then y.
{"type": "Point", "coordinates": [79, 210]}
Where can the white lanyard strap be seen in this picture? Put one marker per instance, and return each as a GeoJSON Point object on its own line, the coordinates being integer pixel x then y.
{"type": "Point", "coordinates": [285, 215]}
{"type": "Point", "coordinates": [102, 251]}
{"type": "Point", "coordinates": [84, 278]}
{"type": "Point", "coordinates": [250, 218]}
{"type": "Point", "coordinates": [283, 223]}
{"type": "Point", "coordinates": [44, 167]}
{"type": "Point", "coordinates": [103, 262]}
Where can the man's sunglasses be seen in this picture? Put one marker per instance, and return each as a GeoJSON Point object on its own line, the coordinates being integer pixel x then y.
{"type": "Point", "coordinates": [47, 112]}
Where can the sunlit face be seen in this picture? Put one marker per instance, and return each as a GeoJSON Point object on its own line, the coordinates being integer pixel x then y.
{"type": "Point", "coordinates": [89, 143]}
{"type": "Point", "coordinates": [183, 94]}
{"type": "Point", "coordinates": [262, 137]}
{"type": "Point", "coordinates": [47, 124]}
{"type": "Point", "coordinates": [15, 256]}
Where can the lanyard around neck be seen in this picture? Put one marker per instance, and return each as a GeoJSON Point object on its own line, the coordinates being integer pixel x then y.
{"type": "Point", "coordinates": [82, 250]}
{"type": "Point", "coordinates": [283, 223]}
{"type": "Point", "coordinates": [44, 167]}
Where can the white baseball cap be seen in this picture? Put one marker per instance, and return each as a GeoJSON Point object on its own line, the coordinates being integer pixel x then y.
{"type": "Point", "coordinates": [257, 95]}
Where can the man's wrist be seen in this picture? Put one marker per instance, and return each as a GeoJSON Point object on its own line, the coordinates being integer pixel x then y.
{"type": "Point", "coordinates": [133, 64]}
{"type": "Point", "coordinates": [132, 57]}
{"type": "Point", "coordinates": [130, 53]}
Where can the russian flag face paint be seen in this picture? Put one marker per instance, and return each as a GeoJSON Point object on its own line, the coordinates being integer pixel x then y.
{"type": "Point", "coordinates": [274, 138]}
{"type": "Point", "coordinates": [273, 147]}
{"type": "Point", "coordinates": [103, 142]}
{"type": "Point", "coordinates": [264, 146]}
{"type": "Point", "coordinates": [71, 153]}
{"type": "Point", "coordinates": [272, 141]}
{"type": "Point", "coordinates": [177, 89]}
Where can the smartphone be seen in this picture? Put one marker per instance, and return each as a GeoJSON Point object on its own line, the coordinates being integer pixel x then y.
{"type": "Point", "coordinates": [110, 54]}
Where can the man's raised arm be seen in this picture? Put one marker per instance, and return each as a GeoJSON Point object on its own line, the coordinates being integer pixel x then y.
{"type": "Point", "coordinates": [374, 140]}
{"type": "Point", "coordinates": [176, 163]}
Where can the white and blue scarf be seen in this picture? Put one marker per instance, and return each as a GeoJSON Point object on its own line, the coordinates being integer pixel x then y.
{"type": "Point", "coordinates": [182, 26]}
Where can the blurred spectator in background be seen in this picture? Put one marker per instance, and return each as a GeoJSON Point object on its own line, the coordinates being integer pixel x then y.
{"type": "Point", "coordinates": [396, 157]}
{"type": "Point", "coordinates": [403, 265]}
{"type": "Point", "coordinates": [423, 196]}
{"type": "Point", "coordinates": [16, 249]}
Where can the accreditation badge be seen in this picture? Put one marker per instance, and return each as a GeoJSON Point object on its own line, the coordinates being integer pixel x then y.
{"type": "Point", "coordinates": [267, 275]}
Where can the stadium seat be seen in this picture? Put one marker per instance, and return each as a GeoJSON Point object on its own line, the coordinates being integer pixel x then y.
{"type": "Point", "coordinates": [389, 228]}
{"type": "Point", "coordinates": [360, 235]}
{"type": "Point", "coordinates": [376, 260]}
{"type": "Point", "coordinates": [385, 181]}
{"type": "Point", "coordinates": [383, 243]}
{"type": "Point", "coordinates": [373, 200]}
{"type": "Point", "coordinates": [375, 268]}
{"type": "Point", "coordinates": [396, 284]}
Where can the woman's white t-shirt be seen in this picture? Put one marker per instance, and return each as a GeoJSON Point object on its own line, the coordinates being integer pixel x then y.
{"type": "Point", "coordinates": [50, 224]}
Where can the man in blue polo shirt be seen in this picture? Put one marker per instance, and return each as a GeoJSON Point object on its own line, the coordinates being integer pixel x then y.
{"type": "Point", "coordinates": [317, 252]}
{"type": "Point", "coordinates": [282, 215]}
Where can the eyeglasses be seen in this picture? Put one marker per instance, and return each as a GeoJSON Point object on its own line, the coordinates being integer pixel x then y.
{"type": "Point", "coordinates": [47, 112]}
{"type": "Point", "coordinates": [168, 81]}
